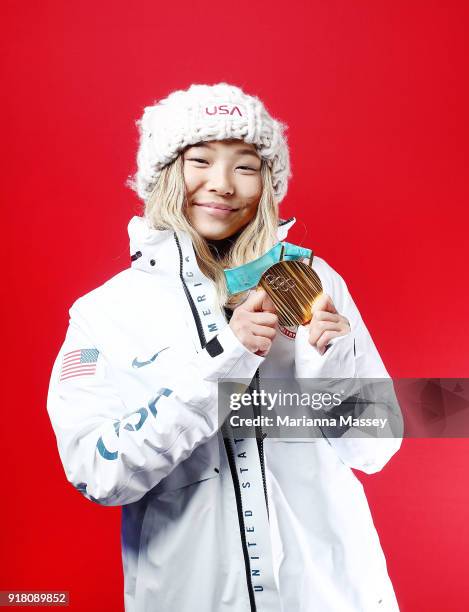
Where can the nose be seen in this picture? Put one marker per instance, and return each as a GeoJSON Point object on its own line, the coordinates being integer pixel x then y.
{"type": "Point", "coordinates": [219, 180]}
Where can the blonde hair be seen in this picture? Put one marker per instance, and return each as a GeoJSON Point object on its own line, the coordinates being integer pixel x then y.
{"type": "Point", "coordinates": [164, 209]}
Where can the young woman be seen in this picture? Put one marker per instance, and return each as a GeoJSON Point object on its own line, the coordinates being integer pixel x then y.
{"type": "Point", "coordinates": [210, 521]}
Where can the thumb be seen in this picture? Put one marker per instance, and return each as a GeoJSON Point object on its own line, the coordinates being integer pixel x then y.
{"type": "Point", "coordinates": [323, 302]}
{"type": "Point", "coordinates": [255, 300]}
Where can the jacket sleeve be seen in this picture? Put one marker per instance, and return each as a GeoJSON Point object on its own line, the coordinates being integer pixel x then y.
{"type": "Point", "coordinates": [114, 453]}
{"type": "Point", "coordinates": [352, 362]}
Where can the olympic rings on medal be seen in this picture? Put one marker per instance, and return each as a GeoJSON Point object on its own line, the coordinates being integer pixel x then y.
{"type": "Point", "coordinates": [280, 283]}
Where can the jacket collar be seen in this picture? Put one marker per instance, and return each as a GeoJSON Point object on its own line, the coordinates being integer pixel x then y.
{"type": "Point", "coordinates": [157, 251]}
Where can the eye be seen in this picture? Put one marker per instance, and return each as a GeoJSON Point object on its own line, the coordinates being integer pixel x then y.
{"type": "Point", "coordinates": [204, 161]}
{"type": "Point", "coordinates": [200, 161]}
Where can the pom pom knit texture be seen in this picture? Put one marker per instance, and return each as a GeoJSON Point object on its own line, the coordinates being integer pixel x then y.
{"type": "Point", "coordinates": [204, 113]}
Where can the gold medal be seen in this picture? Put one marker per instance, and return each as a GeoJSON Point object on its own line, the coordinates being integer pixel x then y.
{"type": "Point", "coordinates": [293, 287]}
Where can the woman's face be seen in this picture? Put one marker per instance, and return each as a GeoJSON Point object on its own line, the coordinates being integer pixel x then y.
{"type": "Point", "coordinates": [223, 186]}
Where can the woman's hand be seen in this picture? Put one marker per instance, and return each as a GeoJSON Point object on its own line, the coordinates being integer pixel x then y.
{"type": "Point", "coordinates": [254, 322]}
{"type": "Point", "coordinates": [326, 323]}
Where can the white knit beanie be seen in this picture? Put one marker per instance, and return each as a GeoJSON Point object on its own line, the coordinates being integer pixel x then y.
{"type": "Point", "coordinates": [204, 113]}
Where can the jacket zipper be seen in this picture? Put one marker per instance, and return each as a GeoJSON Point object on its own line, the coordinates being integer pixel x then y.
{"type": "Point", "coordinates": [229, 450]}
{"type": "Point", "coordinates": [195, 314]}
{"type": "Point", "coordinates": [260, 435]}
{"type": "Point", "coordinates": [239, 506]}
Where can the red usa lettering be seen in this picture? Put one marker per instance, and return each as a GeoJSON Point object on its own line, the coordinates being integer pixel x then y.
{"type": "Point", "coordinates": [223, 109]}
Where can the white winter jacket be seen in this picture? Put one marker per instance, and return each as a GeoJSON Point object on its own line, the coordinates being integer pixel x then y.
{"type": "Point", "coordinates": [133, 403]}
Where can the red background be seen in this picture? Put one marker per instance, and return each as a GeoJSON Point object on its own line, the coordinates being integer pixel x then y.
{"type": "Point", "coordinates": [376, 97]}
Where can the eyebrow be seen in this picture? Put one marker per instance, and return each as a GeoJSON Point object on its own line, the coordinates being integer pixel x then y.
{"type": "Point", "coordinates": [239, 151]}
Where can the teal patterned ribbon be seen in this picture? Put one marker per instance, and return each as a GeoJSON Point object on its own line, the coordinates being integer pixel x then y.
{"type": "Point", "coordinates": [248, 275]}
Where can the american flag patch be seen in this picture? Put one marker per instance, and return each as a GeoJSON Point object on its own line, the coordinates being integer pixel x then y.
{"type": "Point", "coordinates": [81, 362]}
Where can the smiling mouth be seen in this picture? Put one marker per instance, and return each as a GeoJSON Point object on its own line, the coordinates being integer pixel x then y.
{"type": "Point", "coordinates": [215, 206]}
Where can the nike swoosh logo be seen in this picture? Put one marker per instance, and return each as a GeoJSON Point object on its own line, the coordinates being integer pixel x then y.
{"type": "Point", "coordinates": [139, 364]}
